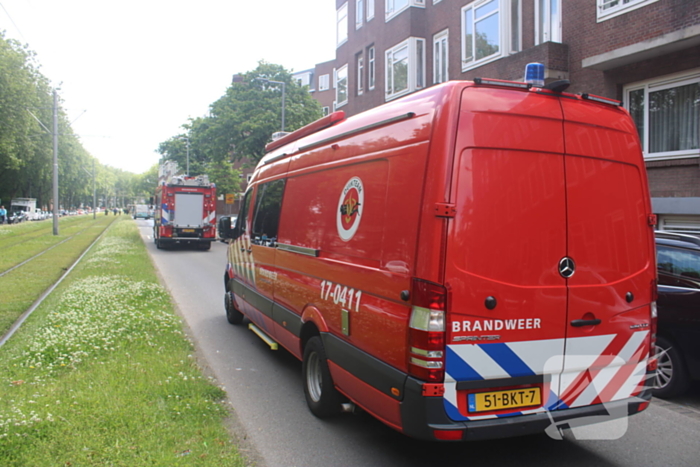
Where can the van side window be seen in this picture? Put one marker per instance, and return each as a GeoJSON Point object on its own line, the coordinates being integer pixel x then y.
{"type": "Point", "coordinates": [241, 226]}
{"type": "Point", "coordinates": [268, 204]}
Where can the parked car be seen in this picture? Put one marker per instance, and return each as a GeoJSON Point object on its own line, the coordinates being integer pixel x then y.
{"type": "Point", "coordinates": [678, 336]}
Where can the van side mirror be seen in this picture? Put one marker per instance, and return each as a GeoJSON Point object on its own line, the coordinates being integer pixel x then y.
{"type": "Point", "coordinates": [227, 228]}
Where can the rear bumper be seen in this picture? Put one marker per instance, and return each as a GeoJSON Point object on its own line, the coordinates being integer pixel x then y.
{"type": "Point", "coordinates": [186, 240]}
{"type": "Point", "coordinates": [421, 416]}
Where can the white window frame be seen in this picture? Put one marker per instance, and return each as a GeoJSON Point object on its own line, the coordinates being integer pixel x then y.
{"type": "Point", "coordinates": [359, 13]}
{"type": "Point", "coordinates": [391, 10]}
{"type": "Point", "coordinates": [360, 74]}
{"type": "Point", "coordinates": [505, 39]}
{"type": "Point", "coordinates": [606, 9]}
{"type": "Point", "coordinates": [546, 30]}
{"type": "Point", "coordinates": [324, 82]}
{"type": "Point", "coordinates": [441, 41]}
{"type": "Point", "coordinates": [371, 68]}
{"type": "Point", "coordinates": [341, 24]}
{"type": "Point", "coordinates": [660, 84]}
{"type": "Point", "coordinates": [517, 37]}
{"type": "Point", "coordinates": [325, 110]}
{"type": "Point", "coordinates": [370, 10]}
{"type": "Point", "coordinates": [343, 70]}
{"type": "Point", "coordinates": [416, 67]}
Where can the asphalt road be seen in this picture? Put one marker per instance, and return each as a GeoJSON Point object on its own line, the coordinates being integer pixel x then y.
{"type": "Point", "coordinates": [276, 428]}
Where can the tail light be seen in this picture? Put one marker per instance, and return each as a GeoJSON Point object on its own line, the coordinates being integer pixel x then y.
{"type": "Point", "coordinates": [652, 362]}
{"type": "Point", "coordinates": [651, 366]}
{"type": "Point", "coordinates": [426, 333]}
{"type": "Point", "coordinates": [654, 324]}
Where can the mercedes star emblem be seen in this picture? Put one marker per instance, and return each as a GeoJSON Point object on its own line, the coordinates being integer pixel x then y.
{"type": "Point", "coordinates": [567, 267]}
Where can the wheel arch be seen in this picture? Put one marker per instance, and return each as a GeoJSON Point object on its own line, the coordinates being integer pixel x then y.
{"type": "Point", "coordinates": [313, 324]}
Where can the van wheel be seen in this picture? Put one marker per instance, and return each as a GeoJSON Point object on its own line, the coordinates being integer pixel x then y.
{"type": "Point", "coordinates": [321, 396]}
{"type": "Point", "coordinates": [671, 376]}
{"type": "Point", "coordinates": [232, 314]}
{"type": "Point", "coordinates": [205, 246]}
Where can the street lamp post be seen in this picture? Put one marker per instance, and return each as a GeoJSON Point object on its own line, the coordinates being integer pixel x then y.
{"type": "Point", "coordinates": [284, 85]}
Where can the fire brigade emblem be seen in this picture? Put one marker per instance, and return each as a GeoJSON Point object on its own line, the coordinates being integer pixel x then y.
{"type": "Point", "coordinates": [350, 208]}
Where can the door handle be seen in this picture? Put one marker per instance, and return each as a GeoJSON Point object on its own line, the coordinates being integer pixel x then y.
{"type": "Point", "coordinates": [577, 323]}
{"type": "Point", "coordinates": [250, 250]}
{"type": "Point", "coordinates": [242, 250]}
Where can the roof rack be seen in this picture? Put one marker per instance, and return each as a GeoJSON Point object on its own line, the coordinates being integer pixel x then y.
{"type": "Point", "coordinates": [602, 100]}
{"type": "Point", "coordinates": [677, 236]}
{"type": "Point", "coordinates": [502, 82]}
{"type": "Point", "coordinates": [309, 129]}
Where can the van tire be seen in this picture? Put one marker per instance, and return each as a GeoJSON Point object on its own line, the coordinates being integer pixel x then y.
{"type": "Point", "coordinates": [671, 375]}
{"type": "Point", "coordinates": [322, 397]}
{"type": "Point", "coordinates": [232, 314]}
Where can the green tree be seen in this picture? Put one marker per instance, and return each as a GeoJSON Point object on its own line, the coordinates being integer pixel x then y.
{"type": "Point", "coordinates": [227, 179]}
{"type": "Point", "coordinates": [241, 122]}
{"type": "Point", "coordinates": [26, 142]}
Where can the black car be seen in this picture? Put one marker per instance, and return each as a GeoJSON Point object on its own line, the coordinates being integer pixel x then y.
{"type": "Point", "coordinates": [678, 336]}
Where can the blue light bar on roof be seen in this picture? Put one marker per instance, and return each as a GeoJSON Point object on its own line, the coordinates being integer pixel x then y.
{"type": "Point", "coordinates": [534, 74]}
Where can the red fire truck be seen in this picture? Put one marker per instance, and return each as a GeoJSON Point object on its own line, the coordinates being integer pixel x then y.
{"type": "Point", "coordinates": [185, 211]}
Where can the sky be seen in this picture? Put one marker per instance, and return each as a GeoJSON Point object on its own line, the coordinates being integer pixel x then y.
{"type": "Point", "coordinates": [132, 72]}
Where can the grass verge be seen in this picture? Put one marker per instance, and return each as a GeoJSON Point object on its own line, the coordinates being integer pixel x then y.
{"type": "Point", "coordinates": [22, 286]}
{"type": "Point", "coordinates": [102, 374]}
{"type": "Point", "coordinates": [22, 241]}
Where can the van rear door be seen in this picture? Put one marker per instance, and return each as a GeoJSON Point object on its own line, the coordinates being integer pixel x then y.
{"type": "Point", "coordinates": [507, 302]}
{"type": "Point", "coordinates": [610, 243]}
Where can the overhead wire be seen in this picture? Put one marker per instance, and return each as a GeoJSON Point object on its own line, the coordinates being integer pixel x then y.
{"type": "Point", "coordinates": [13, 22]}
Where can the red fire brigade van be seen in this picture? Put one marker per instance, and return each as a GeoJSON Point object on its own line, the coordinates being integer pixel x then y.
{"type": "Point", "coordinates": [475, 260]}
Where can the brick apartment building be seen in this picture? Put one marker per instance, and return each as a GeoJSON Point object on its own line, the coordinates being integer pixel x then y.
{"type": "Point", "coordinates": [645, 53]}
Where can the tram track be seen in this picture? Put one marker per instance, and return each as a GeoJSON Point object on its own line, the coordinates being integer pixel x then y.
{"type": "Point", "coordinates": [17, 322]}
{"type": "Point", "coordinates": [17, 266]}
{"type": "Point", "coordinates": [35, 235]}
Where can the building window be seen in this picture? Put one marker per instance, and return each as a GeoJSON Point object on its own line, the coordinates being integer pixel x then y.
{"type": "Point", "coordinates": [342, 25]}
{"type": "Point", "coordinates": [667, 115]}
{"type": "Point", "coordinates": [405, 68]}
{"type": "Point", "coordinates": [324, 82]}
{"type": "Point", "coordinates": [359, 13]}
{"type": "Point", "coordinates": [394, 7]}
{"type": "Point", "coordinates": [610, 8]}
{"type": "Point", "coordinates": [515, 26]}
{"type": "Point", "coordinates": [548, 24]}
{"type": "Point", "coordinates": [486, 26]}
{"type": "Point", "coordinates": [440, 61]}
{"type": "Point", "coordinates": [370, 9]}
{"type": "Point", "coordinates": [360, 74]}
{"type": "Point", "coordinates": [341, 86]}
{"type": "Point", "coordinates": [326, 110]}
{"type": "Point", "coordinates": [372, 68]}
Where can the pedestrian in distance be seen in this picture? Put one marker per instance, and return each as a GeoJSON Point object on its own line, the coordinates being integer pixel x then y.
{"type": "Point", "coordinates": [3, 214]}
